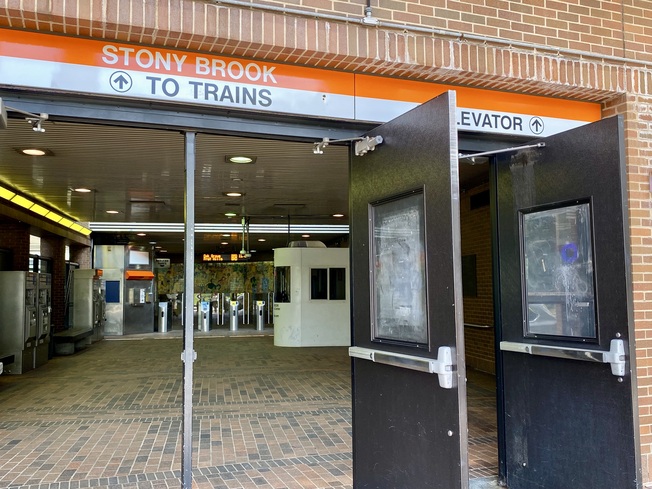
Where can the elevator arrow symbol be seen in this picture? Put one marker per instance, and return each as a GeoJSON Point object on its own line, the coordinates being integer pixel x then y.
{"type": "Point", "coordinates": [120, 81]}
{"type": "Point", "coordinates": [536, 125]}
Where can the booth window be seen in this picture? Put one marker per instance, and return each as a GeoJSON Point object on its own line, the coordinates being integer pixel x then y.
{"type": "Point", "coordinates": [318, 283]}
{"type": "Point", "coordinates": [559, 272]}
{"type": "Point", "coordinates": [337, 284]}
{"type": "Point", "coordinates": [282, 284]}
{"type": "Point", "coordinates": [328, 284]}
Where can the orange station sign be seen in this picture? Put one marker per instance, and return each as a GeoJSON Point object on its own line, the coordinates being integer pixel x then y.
{"type": "Point", "coordinates": [46, 62]}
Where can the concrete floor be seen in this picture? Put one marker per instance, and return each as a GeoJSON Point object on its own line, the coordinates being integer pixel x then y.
{"type": "Point", "coordinates": [264, 417]}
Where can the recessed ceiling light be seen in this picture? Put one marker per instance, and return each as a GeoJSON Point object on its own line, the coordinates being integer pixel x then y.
{"type": "Point", "coordinates": [230, 214]}
{"type": "Point", "coordinates": [305, 235]}
{"type": "Point", "coordinates": [224, 243]}
{"type": "Point", "coordinates": [113, 212]}
{"type": "Point", "coordinates": [233, 194]}
{"type": "Point", "coordinates": [141, 234]}
{"type": "Point", "coordinates": [240, 159]}
{"type": "Point", "coordinates": [261, 239]}
{"type": "Point", "coordinates": [82, 190]}
{"type": "Point", "coordinates": [338, 215]}
{"type": "Point", "coordinates": [157, 247]}
{"type": "Point", "coordinates": [34, 151]}
{"type": "Point", "coordinates": [226, 235]}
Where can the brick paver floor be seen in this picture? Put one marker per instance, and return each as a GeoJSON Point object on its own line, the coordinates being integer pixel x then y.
{"type": "Point", "coordinates": [264, 417]}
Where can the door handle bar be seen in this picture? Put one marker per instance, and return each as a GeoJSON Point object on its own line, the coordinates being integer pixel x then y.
{"type": "Point", "coordinates": [616, 355]}
{"type": "Point", "coordinates": [442, 366]}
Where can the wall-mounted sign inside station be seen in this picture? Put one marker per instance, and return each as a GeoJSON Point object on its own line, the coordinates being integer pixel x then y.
{"type": "Point", "coordinates": [83, 66]}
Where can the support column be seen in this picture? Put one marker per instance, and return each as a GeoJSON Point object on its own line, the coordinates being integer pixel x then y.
{"type": "Point", "coordinates": [188, 355]}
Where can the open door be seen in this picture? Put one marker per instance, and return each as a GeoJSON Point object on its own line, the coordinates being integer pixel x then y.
{"type": "Point", "coordinates": [565, 311]}
{"type": "Point", "coordinates": [409, 397]}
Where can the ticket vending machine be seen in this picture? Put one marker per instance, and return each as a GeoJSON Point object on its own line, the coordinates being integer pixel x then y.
{"type": "Point", "coordinates": [18, 319]}
{"type": "Point", "coordinates": [43, 315]}
{"type": "Point", "coordinates": [89, 301]}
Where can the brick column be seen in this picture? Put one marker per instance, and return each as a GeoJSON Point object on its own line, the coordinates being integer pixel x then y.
{"type": "Point", "coordinates": [53, 247]}
{"type": "Point", "coordinates": [15, 237]}
{"type": "Point", "coordinates": [637, 112]}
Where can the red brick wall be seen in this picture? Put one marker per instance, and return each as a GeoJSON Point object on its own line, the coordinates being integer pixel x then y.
{"type": "Point", "coordinates": [53, 247]}
{"type": "Point", "coordinates": [476, 240]}
{"type": "Point", "coordinates": [638, 147]}
{"type": "Point", "coordinates": [14, 236]}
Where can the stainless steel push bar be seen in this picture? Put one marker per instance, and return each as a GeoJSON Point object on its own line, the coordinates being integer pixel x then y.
{"type": "Point", "coordinates": [442, 366]}
{"type": "Point", "coordinates": [615, 356]}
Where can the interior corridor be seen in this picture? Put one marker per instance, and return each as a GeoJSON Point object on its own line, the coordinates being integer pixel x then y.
{"type": "Point", "coordinates": [265, 417]}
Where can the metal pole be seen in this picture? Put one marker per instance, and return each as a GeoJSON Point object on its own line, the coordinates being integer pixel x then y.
{"type": "Point", "coordinates": [188, 355]}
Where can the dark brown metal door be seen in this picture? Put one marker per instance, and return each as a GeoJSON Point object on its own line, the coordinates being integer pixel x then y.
{"type": "Point", "coordinates": [409, 407]}
{"type": "Point", "coordinates": [565, 311]}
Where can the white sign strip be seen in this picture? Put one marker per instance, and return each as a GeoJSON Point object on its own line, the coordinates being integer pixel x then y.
{"type": "Point", "coordinates": [140, 85]}
{"type": "Point", "coordinates": [472, 120]}
{"type": "Point", "coordinates": [172, 88]}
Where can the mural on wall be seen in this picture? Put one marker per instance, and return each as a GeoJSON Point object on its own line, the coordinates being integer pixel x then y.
{"type": "Point", "coordinates": [212, 278]}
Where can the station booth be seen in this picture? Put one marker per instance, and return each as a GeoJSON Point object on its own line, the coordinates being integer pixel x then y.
{"type": "Point", "coordinates": [473, 221]}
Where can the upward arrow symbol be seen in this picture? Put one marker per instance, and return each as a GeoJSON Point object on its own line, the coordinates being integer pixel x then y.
{"type": "Point", "coordinates": [536, 125]}
{"type": "Point", "coordinates": [122, 81]}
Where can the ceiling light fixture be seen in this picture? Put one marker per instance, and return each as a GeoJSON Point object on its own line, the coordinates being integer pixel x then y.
{"type": "Point", "coordinates": [39, 209]}
{"type": "Point", "coordinates": [141, 234]}
{"type": "Point", "coordinates": [240, 159]}
{"type": "Point", "coordinates": [33, 152]}
{"type": "Point", "coordinates": [5, 193]}
{"type": "Point", "coordinates": [22, 201]}
{"type": "Point", "coordinates": [224, 243]}
{"type": "Point", "coordinates": [305, 235]}
{"type": "Point", "coordinates": [262, 240]}
{"type": "Point", "coordinates": [230, 214]}
{"type": "Point", "coordinates": [112, 212]}
{"type": "Point", "coordinates": [53, 216]}
{"type": "Point", "coordinates": [82, 190]}
{"type": "Point", "coordinates": [233, 194]}
{"type": "Point", "coordinates": [338, 215]}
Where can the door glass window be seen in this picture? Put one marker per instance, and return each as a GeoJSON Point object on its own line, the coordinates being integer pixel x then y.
{"type": "Point", "coordinates": [559, 275]}
{"type": "Point", "coordinates": [399, 271]}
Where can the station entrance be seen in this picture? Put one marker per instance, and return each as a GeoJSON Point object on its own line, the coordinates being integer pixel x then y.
{"type": "Point", "coordinates": [562, 356]}
{"type": "Point", "coordinates": [562, 294]}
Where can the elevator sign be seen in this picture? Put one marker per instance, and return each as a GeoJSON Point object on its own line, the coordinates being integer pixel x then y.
{"type": "Point", "coordinates": [124, 71]}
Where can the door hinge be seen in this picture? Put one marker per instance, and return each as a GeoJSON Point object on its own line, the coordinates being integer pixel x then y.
{"type": "Point", "coordinates": [442, 366]}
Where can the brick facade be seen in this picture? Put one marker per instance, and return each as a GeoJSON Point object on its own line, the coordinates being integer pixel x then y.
{"type": "Point", "coordinates": [479, 309]}
{"type": "Point", "coordinates": [571, 49]}
{"type": "Point", "coordinates": [53, 247]}
{"type": "Point", "coordinates": [15, 237]}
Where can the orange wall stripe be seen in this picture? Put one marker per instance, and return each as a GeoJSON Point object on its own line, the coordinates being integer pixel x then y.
{"type": "Point", "coordinates": [62, 49]}
{"type": "Point", "coordinates": [475, 98]}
